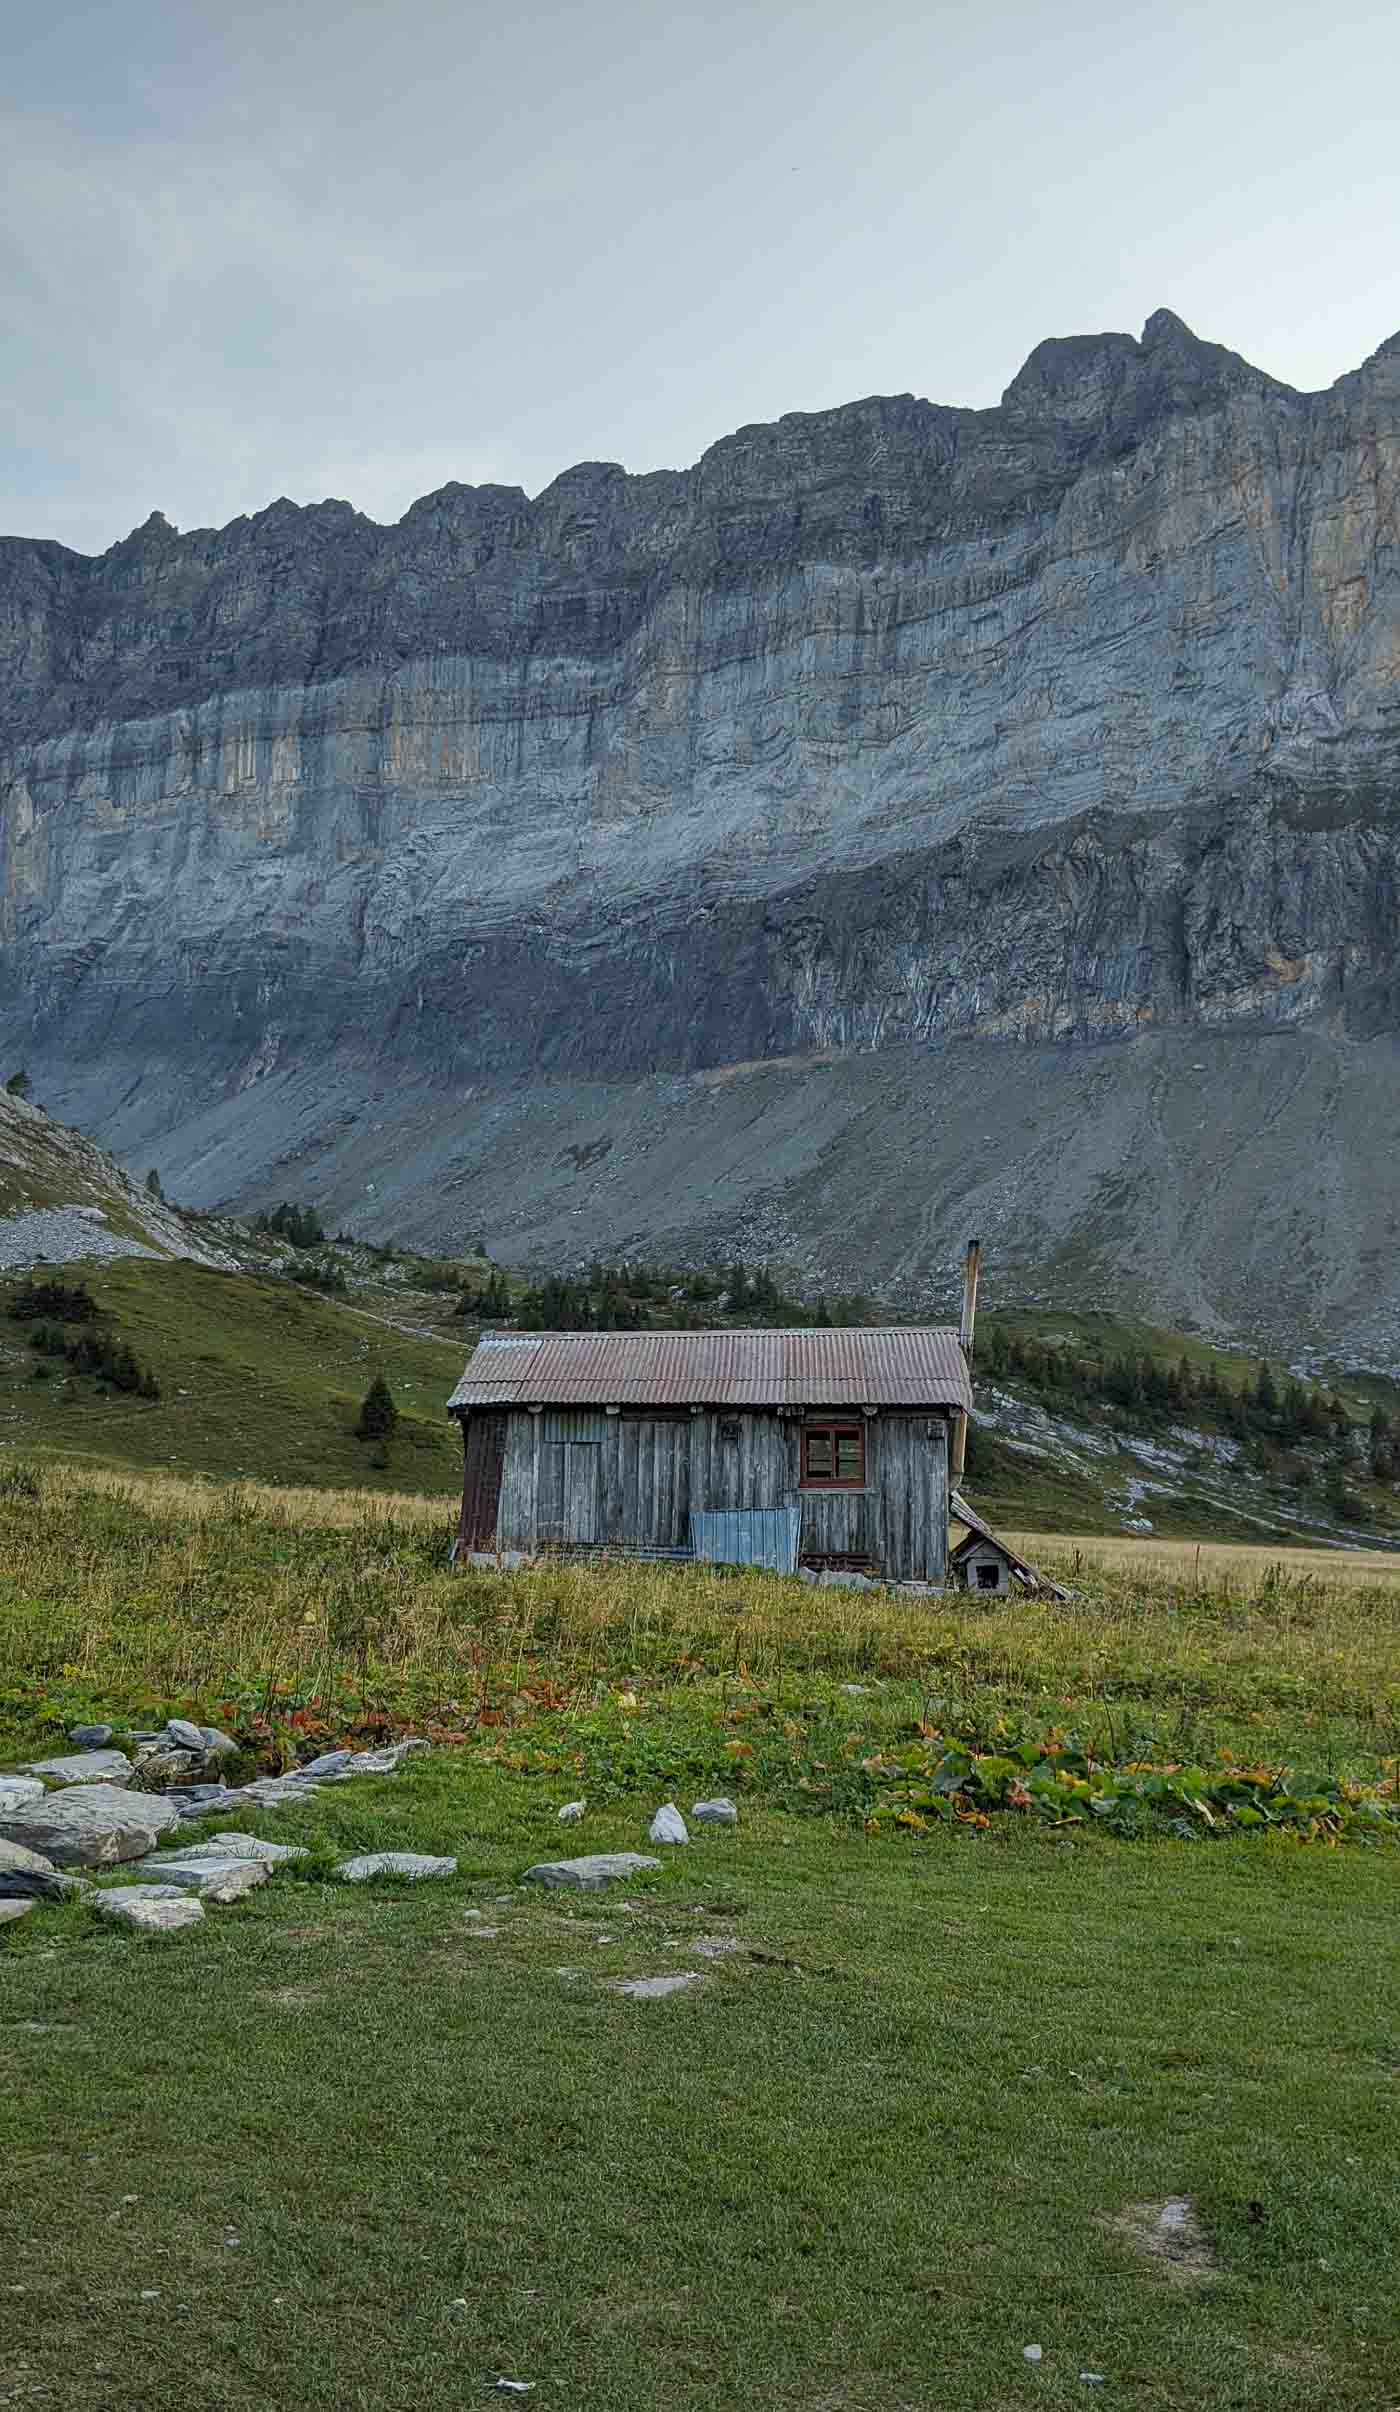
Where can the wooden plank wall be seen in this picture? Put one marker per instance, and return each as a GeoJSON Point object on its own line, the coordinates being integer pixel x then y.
{"type": "Point", "coordinates": [653, 1468]}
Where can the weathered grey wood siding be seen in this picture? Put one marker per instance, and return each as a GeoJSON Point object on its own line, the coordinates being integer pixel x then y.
{"type": "Point", "coordinates": [632, 1480]}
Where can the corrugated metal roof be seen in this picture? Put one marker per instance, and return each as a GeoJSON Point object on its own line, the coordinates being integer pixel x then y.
{"type": "Point", "coordinates": [911, 1365]}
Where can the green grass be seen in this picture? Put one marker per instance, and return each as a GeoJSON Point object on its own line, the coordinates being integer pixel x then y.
{"type": "Point", "coordinates": [872, 2156]}
{"type": "Point", "coordinates": [875, 2153]}
{"type": "Point", "coordinates": [258, 1378]}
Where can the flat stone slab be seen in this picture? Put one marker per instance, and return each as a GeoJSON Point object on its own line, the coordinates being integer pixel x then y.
{"type": "Point", "coordinates": [719, 1812]}
{"type": "Point", "coordinates": [595, 1868]}
{"type": "Point", "coordinates": [25, 1874]}
{"type": "Point", "coordinates": [81, 1767]}
{"type": "Point", "coordinates": [232, 1846]}
{"type": "Point", "coordinates": [211, 1879]}
{"type": "Point", "coordinates": [654, 1989]}
{"type": "Point", "coordinates": [16, 1791]}
{"type": "Point", "coordinates": [156, 1909]}
{"type": "Point", "coordinates": [14, 1909]}
{"type": "Point", "coordinates": [394, 1863]}
{"type": "Point", "coordinates": [90, 1825]}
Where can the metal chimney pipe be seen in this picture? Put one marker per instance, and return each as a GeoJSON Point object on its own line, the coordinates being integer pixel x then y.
{"type": "Point", "coordinates": [969, 1319]}
{"type": "Point", "coordinates": [969, 1312]}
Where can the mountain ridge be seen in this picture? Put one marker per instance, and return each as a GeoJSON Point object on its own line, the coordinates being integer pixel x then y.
{"type": "Point", "coordinates": [896, 725]}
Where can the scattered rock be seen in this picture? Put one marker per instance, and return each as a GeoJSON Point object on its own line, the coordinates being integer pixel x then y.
{"type": "Point", "coordinates": [196, 1800]}
{"type": "Point", "coordinates": [17, 1791]}
{"type": "Point", "coordinates": [1170, 2233]}
{"type": "Point", "coordinates": [82, 1767]}
{"type": "Point", "coordinates": [329, 1763]}
{"type": "Point", "coordinates": [1031, 2353]}
{"type": "Point", "coordinates": [652, 1989]}
{"type": "Point", "coordinates": [185, 1735]}
{"type": "Point", "coordinates": [212, 1879]}
{"type": "Point", "coordinates": [595, 1868]}
{"type": "Point", "coordinates": [234, 1846]}
{"type": "Point", "coordinates": [14, 1909]}
{"type": "Point", "coordinates": [718, 1812]}
{"type": "Point", "coordinates": [157, 1909]}
{"type": "Point", "coordinates": [714, 1947]}
{"type": "Point", "coordinates": [89, 1825]}
{"type": "Point", "coordinates": [168, 1767]}
{"type": "Point", "coordinates": [668, 1826]}
{"type": "Point", "coordinates": [217, 1745]}
{"type": "Point", "coordinates": [234, 1879]}
{"type": "Point", "coordinates": [90, 1737]}
{"type": "Point", "coordinates": [394, 1863]}
{"type": "Point", "coordinates": [383, 1762]}
{"type": "Point", "coordinates": [27, 1875]}
{"type": "Point", "coordinates": [571, 1812]}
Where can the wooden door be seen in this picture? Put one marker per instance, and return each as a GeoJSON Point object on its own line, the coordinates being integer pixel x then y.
{"type": "Point", "coordinates": [582, 1492]}
{"type": "Point", "coordinates": [484, 1458]}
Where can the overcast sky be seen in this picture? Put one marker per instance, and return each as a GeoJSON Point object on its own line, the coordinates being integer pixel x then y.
{"type": "Point", "coordinates": [360, 247]}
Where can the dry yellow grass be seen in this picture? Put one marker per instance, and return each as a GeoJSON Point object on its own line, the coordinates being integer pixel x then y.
{"type": "Point", "coordinates": [190, 1495]}
{"type": "Point", "coordinates": [1208, 1561]}
{"type": "Point", "coordinates": [197, 1589]}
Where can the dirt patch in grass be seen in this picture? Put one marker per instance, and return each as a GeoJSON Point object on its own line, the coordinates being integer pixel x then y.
{"type": "Point", "coordinates": [1170, 2234]}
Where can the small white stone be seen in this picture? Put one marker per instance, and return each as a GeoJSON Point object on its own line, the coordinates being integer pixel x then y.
{"type": "Point", "coordinates": [653, 1989]}
{"type": "Point", "coordinates": [1030, 2353]}
{"type": "Point", "coordinates": [571, 1812]}
{"type": "Point", "coordinates": [668, 1826]}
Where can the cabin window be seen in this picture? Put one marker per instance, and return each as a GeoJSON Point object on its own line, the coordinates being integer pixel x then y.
{"type": "Point", "coordinates": [833, 1457]}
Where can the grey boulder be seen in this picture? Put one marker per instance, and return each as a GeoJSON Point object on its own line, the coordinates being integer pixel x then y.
{"type": "Point", "coordinates": [184, 1735]}
{"type": "Point", "coordinates": [209, 1878]}
{"type": "Point", "coordinates": [90, 1737]}
{"type": "Point", "coordinates": [718, 1812]}
{"type": "Point", "coordinates": [394, 1863]}
{"type": "Point", "coordinates": [233, 1846]}
{"type": "Point", "coordinates": [595, 1868]}
{"type": "Point", "coordinates": [17, 1791]}
{"type": "Point", "coordinates": [89, 1825]}
{"type": "Point", "coordinates": [23, 1874]}
{"type": "Point", "coordinates": [82, 1767]}
{"type": "Point", "coordinates": [13, 1909]}
{"type": "Point", "coordinates": [329, 1764]}
{"type": "Point", "coordinates": [156, 1909]}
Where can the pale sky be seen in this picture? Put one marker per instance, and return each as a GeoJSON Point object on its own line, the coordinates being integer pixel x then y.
{"type": "Point", "coordinates": [334, 248]}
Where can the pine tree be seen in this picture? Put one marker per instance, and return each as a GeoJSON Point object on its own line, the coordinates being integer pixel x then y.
{"type": "Point", "coordinates": [378, 1414]}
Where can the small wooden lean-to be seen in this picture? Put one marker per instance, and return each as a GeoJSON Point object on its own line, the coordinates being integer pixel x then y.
{"type": "Point", "coordinates": [982, 1561]}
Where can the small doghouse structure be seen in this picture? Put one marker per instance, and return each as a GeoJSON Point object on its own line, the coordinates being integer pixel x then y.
{"type": "Point", "coordinates": [982, 1561]}
{"type": "Point", "coordinates": [827, 1449]}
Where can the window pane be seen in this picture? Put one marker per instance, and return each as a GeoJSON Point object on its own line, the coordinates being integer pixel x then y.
{"type": "Point", "coordinates": [850, 1457]}
{"type": "Point", "coordinates": [819, 1454]}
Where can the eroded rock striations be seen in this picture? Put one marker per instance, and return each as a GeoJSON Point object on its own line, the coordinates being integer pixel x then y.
{"type": "Point", "coordinates": [879, 728]}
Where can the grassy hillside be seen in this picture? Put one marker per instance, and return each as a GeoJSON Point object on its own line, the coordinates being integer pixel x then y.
{"type": "Point", "coordinates": [257, 1377]}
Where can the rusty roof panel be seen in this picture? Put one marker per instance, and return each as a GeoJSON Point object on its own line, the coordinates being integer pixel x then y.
{"type": "Point", "coordinates": [918, 1365]}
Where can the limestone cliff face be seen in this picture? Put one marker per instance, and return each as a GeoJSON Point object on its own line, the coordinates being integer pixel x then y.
{"type": "Point", "coordinates": [888, 723]}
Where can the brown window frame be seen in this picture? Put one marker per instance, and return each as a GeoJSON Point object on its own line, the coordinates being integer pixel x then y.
{"type": "Point", "coordinates": [831, 1431]}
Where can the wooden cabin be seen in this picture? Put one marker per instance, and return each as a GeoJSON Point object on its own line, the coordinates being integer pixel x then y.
{"type": "Point", "coordinates": [827, 1450]}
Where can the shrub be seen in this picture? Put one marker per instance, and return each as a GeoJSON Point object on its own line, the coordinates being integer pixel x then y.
{"type": "Point", "coordinates": [378, 1414]}
{"type": "Point", "coordinates": [68, 1303]}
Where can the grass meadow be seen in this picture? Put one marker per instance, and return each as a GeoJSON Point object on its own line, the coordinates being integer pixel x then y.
{"type": "Point", "coordinates": [367, 2147]}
